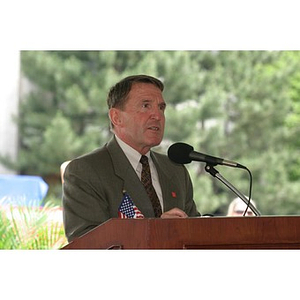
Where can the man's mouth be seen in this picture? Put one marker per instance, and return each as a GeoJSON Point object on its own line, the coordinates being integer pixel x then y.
{"type": "Point", "coordinates": [153, 128]}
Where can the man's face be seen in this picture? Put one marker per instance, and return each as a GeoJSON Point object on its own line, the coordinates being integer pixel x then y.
{"type": "Point", "coordinates": [141, 124]}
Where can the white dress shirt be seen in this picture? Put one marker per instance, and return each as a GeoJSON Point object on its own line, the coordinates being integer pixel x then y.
{"type": "Point", "coordinates": [134, 159]}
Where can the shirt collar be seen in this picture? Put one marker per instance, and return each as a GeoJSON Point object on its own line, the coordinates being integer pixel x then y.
{"type": "Point", "coordinates": [132, 155]}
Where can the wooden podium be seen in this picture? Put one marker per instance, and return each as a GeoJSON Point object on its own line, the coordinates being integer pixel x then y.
{"type": "Point", "coordinates": [264, 232]}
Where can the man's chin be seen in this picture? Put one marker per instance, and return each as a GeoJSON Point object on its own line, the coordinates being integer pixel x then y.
{"type": "Point", "coordinates": [155, 142]}
{"type": "Point", "coordinates": [154, 138]}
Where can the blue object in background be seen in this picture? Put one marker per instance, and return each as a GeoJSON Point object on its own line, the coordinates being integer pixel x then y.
{"type": "Point", "coordinates": [22, 190]}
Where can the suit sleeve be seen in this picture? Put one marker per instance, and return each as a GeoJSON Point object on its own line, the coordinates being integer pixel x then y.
{"type": "Point", "coordinates": [84, 206]}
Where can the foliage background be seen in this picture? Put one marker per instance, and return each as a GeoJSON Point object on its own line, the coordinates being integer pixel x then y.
{"type": "Point", "coordinates": [240, 105]}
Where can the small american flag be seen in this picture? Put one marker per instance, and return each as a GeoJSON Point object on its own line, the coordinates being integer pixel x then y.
{"type": "Point", "coordinates": [128, 210]}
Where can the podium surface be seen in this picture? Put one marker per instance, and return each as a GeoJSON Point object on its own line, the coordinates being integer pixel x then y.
{"type": "Point", "coordinates": [263, 232]}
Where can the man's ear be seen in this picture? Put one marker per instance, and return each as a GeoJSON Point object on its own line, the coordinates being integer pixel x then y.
{"type": "Point", "coordinates": [114, 115]}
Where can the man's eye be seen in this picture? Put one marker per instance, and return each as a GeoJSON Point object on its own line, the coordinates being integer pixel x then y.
{"type": "Point", "coordinates": [163, 106]}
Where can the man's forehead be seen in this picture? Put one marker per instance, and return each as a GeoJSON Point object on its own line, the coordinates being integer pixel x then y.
{"type": "Point", "coordinates": [146, 91]}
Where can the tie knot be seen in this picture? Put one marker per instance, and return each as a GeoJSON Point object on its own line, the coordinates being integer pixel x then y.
{"type": "Point", "coordinates": [144, 160]}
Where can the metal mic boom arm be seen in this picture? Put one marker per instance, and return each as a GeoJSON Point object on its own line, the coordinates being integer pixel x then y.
{"type": "Point", "coordinates": [212, 171]}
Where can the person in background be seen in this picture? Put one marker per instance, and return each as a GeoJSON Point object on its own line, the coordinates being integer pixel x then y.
{"type": "Point", "coordinates": [125, 177]}
{"type": "Point", "coordinates": [237, 208]}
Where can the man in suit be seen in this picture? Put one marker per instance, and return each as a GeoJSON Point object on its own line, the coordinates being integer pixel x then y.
{"type": "Point", "coordinates": [94, 184]}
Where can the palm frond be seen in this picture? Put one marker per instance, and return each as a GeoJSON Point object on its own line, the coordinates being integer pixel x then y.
{"type": "Point", "coordinates": [29, 227]}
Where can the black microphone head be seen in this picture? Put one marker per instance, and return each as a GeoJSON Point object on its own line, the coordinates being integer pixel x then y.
{"type": "Point", "coordinates": [180, 153]}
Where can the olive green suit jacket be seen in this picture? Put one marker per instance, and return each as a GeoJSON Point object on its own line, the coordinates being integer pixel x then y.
{"type": "Point", "coordinates": [94, 184]}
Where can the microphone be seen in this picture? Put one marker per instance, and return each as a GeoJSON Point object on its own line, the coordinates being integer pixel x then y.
{"type": "Point", "coordinates": [182, 153]}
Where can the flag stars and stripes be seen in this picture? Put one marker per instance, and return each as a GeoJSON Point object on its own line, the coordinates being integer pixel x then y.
{"type": "Point", "coordinates": [127, 209]}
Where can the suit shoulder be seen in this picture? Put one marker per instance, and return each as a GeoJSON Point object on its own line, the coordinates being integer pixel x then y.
{"type": "Point", "coordinates": [95, 153]}
{"type": "Point", "coordinates": [90, 159]}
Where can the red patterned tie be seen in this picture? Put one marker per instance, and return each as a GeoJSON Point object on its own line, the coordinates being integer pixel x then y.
{"type": "Point", "coordinates": [147, 182]}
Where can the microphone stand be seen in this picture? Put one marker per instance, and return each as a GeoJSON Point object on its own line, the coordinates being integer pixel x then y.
{"type": "Point", "coordinates": [212, 171]}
